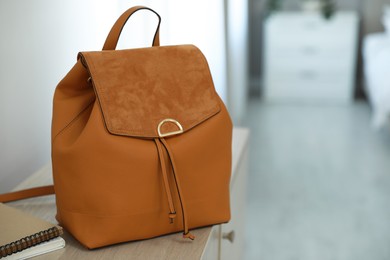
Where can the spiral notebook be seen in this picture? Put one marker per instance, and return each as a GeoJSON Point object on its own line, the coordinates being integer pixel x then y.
{"type": "Point", "coordinates": [20, 231]}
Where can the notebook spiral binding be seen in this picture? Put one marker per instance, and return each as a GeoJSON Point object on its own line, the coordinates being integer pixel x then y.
{"type": "Point", "coordinates": [30, 241]}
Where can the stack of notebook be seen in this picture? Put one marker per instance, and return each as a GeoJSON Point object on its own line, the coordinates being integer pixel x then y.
{"type": "Point", "coordinates": [23, 236]}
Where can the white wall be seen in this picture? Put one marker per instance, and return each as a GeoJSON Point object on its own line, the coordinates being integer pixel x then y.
{"type": "Point", "coordinates": [39, 43]}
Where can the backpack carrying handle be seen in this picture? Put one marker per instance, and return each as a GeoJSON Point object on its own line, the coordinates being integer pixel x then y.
{"type": "Point", "coordinates": [113, 36]}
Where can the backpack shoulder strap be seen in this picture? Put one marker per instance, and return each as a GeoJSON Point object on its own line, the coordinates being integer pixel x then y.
{"type": "Point", "coordinates": [27, 193]}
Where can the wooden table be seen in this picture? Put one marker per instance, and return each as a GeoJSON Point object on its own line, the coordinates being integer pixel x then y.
{"type": "Point", "coordinates": [166, 247]}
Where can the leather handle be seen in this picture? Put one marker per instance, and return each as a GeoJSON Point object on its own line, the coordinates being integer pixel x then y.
{"type": "Point", "coordinates": [113, 36]}
{"type": "Point", "coordinates": [28, 193]}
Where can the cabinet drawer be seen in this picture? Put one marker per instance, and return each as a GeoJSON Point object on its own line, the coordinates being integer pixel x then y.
{"type": "Point", "coordinates": [311, 72]}
{"type": "Point", "coordinates": [296, 64]}
{"type": "Point", "coordinates": [306, 91]}
{"type": "Point", "coordinates": [312, 24]}
{"type": "Point", "coordinates": [310, 51]}
{"type": "Point", "coordinates": [309, 40]}
{"type": "Point", "coordinates": [308, 77]}
{"type": "Point", "coordinates": [306, 82]}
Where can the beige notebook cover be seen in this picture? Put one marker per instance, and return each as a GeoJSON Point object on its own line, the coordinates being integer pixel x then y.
{"type": "Point", "coordinates": [19, 230]}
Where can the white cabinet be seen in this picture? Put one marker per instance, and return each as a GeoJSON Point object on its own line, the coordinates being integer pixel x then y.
{"type": "Point", "coordinates": [226, 241]}
{"type": "Point", "coordinates": [309, 58]}
{"type": "Point", "coordinates": [233, 233]}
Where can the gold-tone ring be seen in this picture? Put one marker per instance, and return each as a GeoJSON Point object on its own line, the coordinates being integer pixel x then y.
{"type": "Point", "coordinates": [180, 131]}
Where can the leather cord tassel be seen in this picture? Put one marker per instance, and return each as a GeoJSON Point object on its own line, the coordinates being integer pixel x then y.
{"type": "Point", "coordinates": [186, 233]}
{"type": "Point", "coordinates": [172, 211]}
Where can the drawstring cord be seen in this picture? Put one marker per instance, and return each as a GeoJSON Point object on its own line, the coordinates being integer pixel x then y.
{"type": "Point", "coordinates": [172, 211]}
{"type": "Point", "coordinates": [159, 143]}
{"type": "Point", "coordinates": [186, 233]}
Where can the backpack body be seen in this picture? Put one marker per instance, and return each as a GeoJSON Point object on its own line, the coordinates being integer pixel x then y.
{"type": "Point", "coordinates": [141, 145]}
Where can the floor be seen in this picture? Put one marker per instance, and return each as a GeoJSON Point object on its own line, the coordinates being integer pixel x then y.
{"type": "Point", "coordinates": [319, 184]}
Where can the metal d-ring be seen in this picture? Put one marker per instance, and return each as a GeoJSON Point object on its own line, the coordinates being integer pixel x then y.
{"type": "Point", "coordinates": [180, 131]}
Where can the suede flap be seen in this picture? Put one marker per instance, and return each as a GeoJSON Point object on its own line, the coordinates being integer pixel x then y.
{"type": "Point", "coordinates": [139, 88]}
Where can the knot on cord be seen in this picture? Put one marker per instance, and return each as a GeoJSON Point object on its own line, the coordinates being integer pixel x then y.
{"type": "Point", "coordinates": [189, 235]}
{"type": "Point", "coordinates": [172, 216]}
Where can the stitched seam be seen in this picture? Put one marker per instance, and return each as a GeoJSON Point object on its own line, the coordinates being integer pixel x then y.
{"type": "Point", "coordinates": [154, 210]}
{"type": "Point", "coordinates": [98, 214]}
{"type": "Point", "coordinates": [72, 121]}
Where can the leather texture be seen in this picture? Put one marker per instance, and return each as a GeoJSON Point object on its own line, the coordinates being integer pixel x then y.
{"type": "Point", "coordinates": [116, 179]}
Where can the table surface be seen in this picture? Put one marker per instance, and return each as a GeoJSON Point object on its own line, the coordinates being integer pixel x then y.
{"type": "Point", "coordinates": [171, 246]}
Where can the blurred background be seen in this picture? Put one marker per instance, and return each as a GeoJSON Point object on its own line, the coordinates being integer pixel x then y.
{"type": "Point", "coordinates": [309, 78]}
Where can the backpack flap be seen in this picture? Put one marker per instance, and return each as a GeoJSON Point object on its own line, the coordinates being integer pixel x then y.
{"type": "Point", "coordinates": [152, 92]}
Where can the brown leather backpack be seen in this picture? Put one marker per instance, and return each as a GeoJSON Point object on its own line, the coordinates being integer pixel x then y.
{"type": "Point", "coordinates": [141, 143]}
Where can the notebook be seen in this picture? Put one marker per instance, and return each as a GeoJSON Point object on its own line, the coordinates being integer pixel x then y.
{"type": "Point", "coordinates": [19, 230]}
{"type": "Point", "coordinates": [42, 248]}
